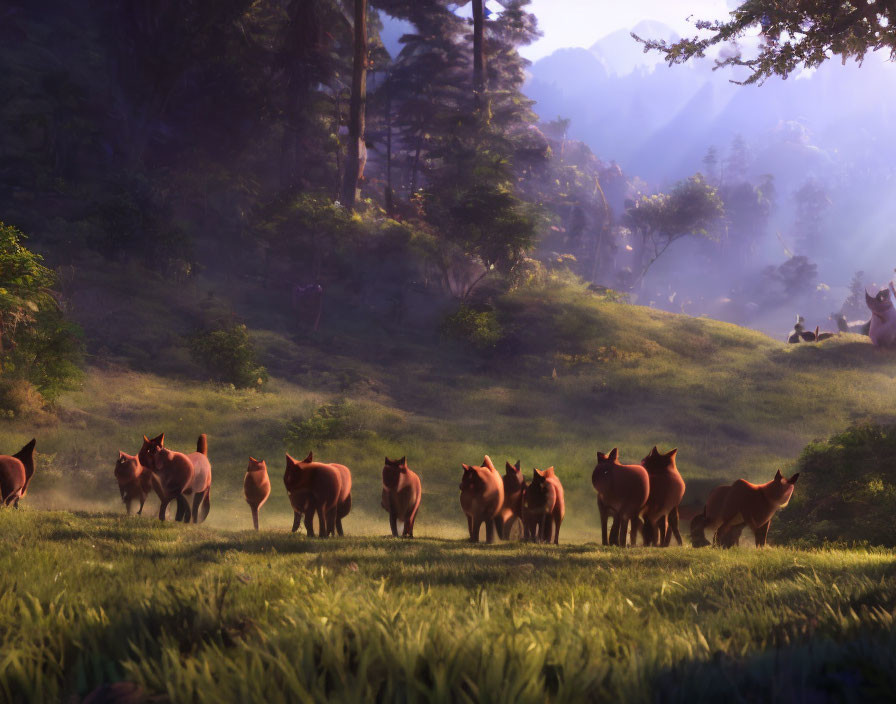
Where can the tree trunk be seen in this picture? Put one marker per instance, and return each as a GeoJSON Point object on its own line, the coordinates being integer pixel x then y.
{"type": "Point", "coordinates": [355, 159]}
{"type": "Point", "coordinates": [479, 82]}
{"type": "Point", "coordinates": [390, 192]}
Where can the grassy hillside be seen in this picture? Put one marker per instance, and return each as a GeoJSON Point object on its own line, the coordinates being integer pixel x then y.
{"type": "Point", "coordinates": [211, 616]}
{"type": "Point", "coordinates": [574, 373]}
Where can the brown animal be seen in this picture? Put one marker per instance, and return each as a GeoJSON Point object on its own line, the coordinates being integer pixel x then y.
{"type": "Point", "coordinates": [256, 487]}
{"type": "Point", "coordinates": [754, 505]}
{"type": "Point", "coordinates": [134, 480]}
{"type": "Point", "coordinates": [481, 498]}
{"type": "Point", "coordinates": [178, 475]}
{"type": "Point", "coordinates": [15, 474]}
{"type": "Point", "coordinates": [318, 488]}
{"type": "Point", "coordinates": [402, 492]}
{"type": "Point", "coordinates": [710, 518]}
{"type": "Point", "coordinates": [622, 492]}
{"type": "Point", "coordinates": [666, 493]}
{"type": "Point", "coordinates": [512, 509]}
{"type": "Point", "coordinates": [543, 507]}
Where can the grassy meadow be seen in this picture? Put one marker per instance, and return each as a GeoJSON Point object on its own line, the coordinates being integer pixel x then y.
{"type": "Point", "coordinates": [203, 615]}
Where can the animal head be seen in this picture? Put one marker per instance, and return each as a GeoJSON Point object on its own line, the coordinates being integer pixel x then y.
{"type": "Point", "coordinates": [513, 478]}
{"type": "Point", "coordinates": [256, 465]}
{"type": "Point", "coordinates": [603, 470]}
{"type": "Point", "coordinates": [657, 461]}
{"type": "Point", "coordinates": [781, 488]}
{"type": "Point", "coordinates": [127, 468]}
{"type": "Point", "coordinates": [393, 470]}
{"type": "Point", "coordinates": [26, 457]}
{"type": "Point", "coordinates": [538, 493]}
{"type": "Point", "coordinates": [295, 475]}
{"type": "Point", "coordinates": [473, 479]}
{"type": "Point", "coordinates": [880, 303]}
{"type": "Point", "coordinates": [148, 449]}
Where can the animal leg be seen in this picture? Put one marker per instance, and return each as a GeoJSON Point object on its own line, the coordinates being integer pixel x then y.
{"type": "Point", "coordinates": [321, 523]}
{"type": "Point", "coordinates": [761, 534]}
{"type": "Point", "coordinates": [623, 530]}
{"type": "Point", "coordinates": [409, 524]}
{"type": "Point", "coordinates": [393, 522]}
{"type": "Point", "coordinates": [142, 501]}
{"type": "Point", "coordinates": [489, 531]}
{"type": "Point", "coordinates": [698, 531]}
{"type": "Point", "coordinates": [636, 528]}
{"type": "Point", "coordinates": [547, 529]}
{"type": "Point", "coordinates": [296, 521]}
{"type": "Point", "coordinates": [661, 526]}
{"type": "Point", "coordinates": [614, 532]}
{"type": "Point", "coordinates": [602, 510]}
{"type": "Point", "coordinates": [197, 502]}
{"type": "Point", "coordinates": [470, 526]}
{"type": "Point", "coordinates": [163, 507]}
{"type": "Point", "coordinates": [673, 528]}
{"type": "Point", "coordinates": [183, 508]}
{"type": "Point", "coordinates": [309, 523]}
{"type": "Point", "coordinates": [474, 531]}
{"type": "Point", "coordinates": [557, 521]}
{"type": "Point", "coordinates": [499, 526]}
{"type": "Point", "coordinates": [331, 521]}
{"type": "Point", "coordinates": [254, 516]}
{"type": "Point", "coordinates": [206, 505]}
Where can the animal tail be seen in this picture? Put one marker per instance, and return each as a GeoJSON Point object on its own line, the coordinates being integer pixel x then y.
{"type": "Point", "coordinates": [202, 445]}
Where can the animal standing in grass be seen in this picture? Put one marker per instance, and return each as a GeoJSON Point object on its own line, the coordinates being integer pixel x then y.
{"type": "Point", "coordinates": [711, 518]}
{"type": "Point", "coordinates": [754, 505]}
{"type": "Point", "coordinates": [178, 476]}
{"type": "Point", "coordinates": [134, 480]}
{"type": "Point", "coordinates": [256, 487]}
{"type": "Point", "coordinates": [622, 492]}
{"type": "Point", "coordinates": [481, 498]}
{"type": "Point", "coordinates": [882, 329]}
{"type": "Point", "coordinates": [543, 507]}
{"type": "Point", "coordinates": [402, 492]}
{"type": "Point", "coordinates": [512, 508]}
{"type": "Point", "coordinates": [666, 492]}
{"type": "Point", "coordinates": [318, 488]}
{"type": "Point", "coordinates": [15, 474]}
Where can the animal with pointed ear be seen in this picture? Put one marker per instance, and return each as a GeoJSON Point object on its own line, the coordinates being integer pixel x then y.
{"type": "Point", "coordinates": [622, 491]}
{"type": "Point", "coordinates": [543, 507]}
{"type": "Point", "coordinates": [16, 472]}
{"type": "Point", "coordinates": [796, 335]}
{"type": "Point", "coordinates": [710, 518]}
{"type": "Point", "coordinates": [666, 493]}
{"type": "Point", "coordinates": [882, 330]}
{"type": "Point", "coordinates": [256, 487]}
{"type": "Point", "coordinates": [754, 505]}
{"type": "Point", "coordinates": [481, 498]}
{"type": "Point", "coordinates": [402, 493]}
{"type": "Point", "coordinates": [134, 481]}
{"type": "Point", "coordinates": [318, 488]}
{"type": "Point", "coordinates": [512, 508]}
{"type": "Point", "coordinates": [178, 475]}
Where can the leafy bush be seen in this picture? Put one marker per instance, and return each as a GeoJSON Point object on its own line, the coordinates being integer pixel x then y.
{"type": "Point", "coordinates": [228, 355]}
{"type": "Point", "coordinates": [479, 328]}
{"type": "Point", "coordinates": [328, 422]}
{"type": "Point", "coordinates": [847, 489]}
{"type": "Point", "coordinates": [37, 344]}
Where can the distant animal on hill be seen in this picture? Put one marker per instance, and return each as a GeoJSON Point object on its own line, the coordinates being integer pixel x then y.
{"type": "Point", "coordinates": [178, 475]}
{"type": "Point", "coordinates": [402, 493]}
{"type": "Point", "coordinates": [543, 507]}
{"type": "Point", "coordinates": [134, 480]}
{"type": "Point", "coordinates": [882, 329]}
{"type": "Point", "coordinates": [256, 487]}
{"type": "Point", "coordinates": [622, 492]}
{"type": "Point", "coordinates": [15, 474]}
{"type": "Point", "coordinates": [481, 498]}
{"type": "Point", "coordinates": [822, 336]}
{"type": "Point", "coordinates": [511, 510]}
{"type": "Point", "coordinates": [711, 518]}
{"type": "Point", "coordinates": [666, 493]}
{"type": "Point", "coordinates": [796, 335]}
{"type": "Point", "coordinates": [754, 505]}
{"type": "Point", "coordinates": [857, 327]}
{"type": "Point", "coordinates": [320, 488]}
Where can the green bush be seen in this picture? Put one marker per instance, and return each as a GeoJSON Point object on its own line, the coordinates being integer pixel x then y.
{"type": "Point", "coordinates": [331, 421]}
{"type": "Point", "coordinates": [228, 355]}
{"type": "Point", "coordinates": [847, 489]}
{"type": "Point", "coordinates": [478, 328]}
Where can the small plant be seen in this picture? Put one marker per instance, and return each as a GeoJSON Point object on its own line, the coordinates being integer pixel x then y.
{"type": "Point", "coordinates": [228, 355]}
{"type": "Point", "coordinates": [328, 422]}
{"type": "Point", "coordinates": [479, 328]}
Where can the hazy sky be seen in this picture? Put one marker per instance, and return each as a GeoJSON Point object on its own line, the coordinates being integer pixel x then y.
{"type": "Point", "coordinates": [567, 23]}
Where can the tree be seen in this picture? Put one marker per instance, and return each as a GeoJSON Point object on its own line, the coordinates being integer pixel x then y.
{"type": "Point", "coordinates": [689, 210]}
{"type": "Point", "coordinates": [798, 33]}
{"type": "Point", "coordinates": [811, 202]}
{"type": "Point", "coordinates": [357, 157]}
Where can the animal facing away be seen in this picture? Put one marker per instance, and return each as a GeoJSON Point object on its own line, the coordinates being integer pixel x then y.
{"type": "Point", "coordinates": [622, 492]}
{"type": "Point", "coordinates": [859, 327]}
{"type": "Point", "coordinates": [512, 508]}
{"type": "Point", "coordinates": [15, 474]}
{"type": "Point", "coordinates": [882, 330]}
{"type": "Point", "coordinates": [256, 487]}
{"type": "Point", "coordinates": [318, 488]}
{"type": "Point", "coordinates": [754, 505]}
{"type": "Point", "coordinates": [710, 518]}
{"type": "Point", "coordinates": [543, 507]}
{"type": "Point", "coordinates": [134, 480]}
{"type": "Point", "coordinates": [481, 498]}
{"type": "Point", "coordinates": [402, 492]}
{"type": "Point", "coordinates": [666, 493]}
{"type": "Point", "coordinates": [177, 476]}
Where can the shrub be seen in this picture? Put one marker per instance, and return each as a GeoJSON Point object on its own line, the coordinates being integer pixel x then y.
{"type": "Point", "coordinates": [228, 355]}
{"type": "Point", "coordinates": [479, 328]}
{"type": "Point", "coordinates": [847, 489]}
{"type": "Point", "coordinates": [328, 422]}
